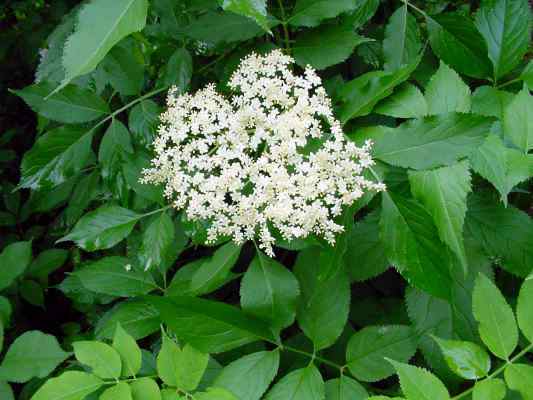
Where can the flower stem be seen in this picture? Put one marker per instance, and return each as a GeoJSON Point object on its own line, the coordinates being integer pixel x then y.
{"type": "Point", "coordinates": [285, 27]}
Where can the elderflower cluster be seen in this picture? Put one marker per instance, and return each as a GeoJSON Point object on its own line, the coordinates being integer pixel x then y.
{"type": "Point", "coordinates": [271, 158]}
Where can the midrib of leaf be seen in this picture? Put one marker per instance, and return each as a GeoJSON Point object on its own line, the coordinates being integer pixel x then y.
{"type": "Point", "coordinates": [215, 271]}
{"type": "Point", "coordinates": [125, 276]}
{"type": "Point", "coordinates": [389, 344]}
{"type": "Point", "coordinates": [415, 384]}
{"type": "Point", "coordinates": [403, 37]}
{"type": "Point", "coordinates": [80, 390]}
{"type": "Point", "coordinates": [494, 322]}
{"type": "Point", "coordinates": [298, 385]}
{"type": "Point", "coordinates": [75, 105]}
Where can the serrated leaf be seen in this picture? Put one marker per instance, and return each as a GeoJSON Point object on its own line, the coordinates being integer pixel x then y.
{"type": "Point", "coordinates": [506, 28]}
{"type": "Point", "coordinates": [70, 385]}
{"type": "Point", "coordinates": [468, 360]}
{"type": "Point", "coordinates": [497, 324]}
{"type": "Point", "coordinates": [524, 307]}
{"type": "Point", "coordinates": [345, 388]}
{"type": "Point", "coordinates": [301, 384]}
{"type": "Point", "coordinates": [254, 9]}
{"type": "Point", "coordinates": [32, 355]}
{"type": "Point", "coordinates": [249, 377]}
{"type": "Point", "coordinates": [115, 142]}
{"type": "Point", "coordinates": [325, 46]}
{"type": "Point", "coordinates": [214, 27]}
{"type": "Point", "coordinates": [145, 389]}
{"type": "Point", "coordinates": [489, 389]}
{"type": "Point", "coordinates": [270, 292]}
{"type": "Point", "coordinates": [418, 383]}
{"type": "Point", "coordinates": [132, 168]}
{"type": "Point", "coordinates": [121, 391]}
{"type": "Point", "coordinates": [446, 92]}
{"type": "Point", "coordinates": [368, 348]}
{"type": "Point", "coordinates": [178, 70]}
{"type": "Point", "coordinates": [401, 44]}
{"type": "Point", "coordinates": [14, 260]}
{"type": "Point", "coordinates": [311, 13]}
{"type": "Point", "coordinates": [103, 359]}
{"type": "Point", "coordinates": [157, 241]}
{"type": "Point", "coordinates": [406, 102]}
{"type": "Point", "coordinates": [490, 101]}
{"type": "Point", "coordinates": [143, 120]}
{"type": "Point", "coordinates": [100, 26]}
{"type": "Point", "coordinates": [129, 351]}
{"type": "Point", "coordinates": [518, 120]}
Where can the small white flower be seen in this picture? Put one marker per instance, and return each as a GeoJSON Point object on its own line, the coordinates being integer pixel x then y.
{"type": "Point", "coordinates": [127, 267]}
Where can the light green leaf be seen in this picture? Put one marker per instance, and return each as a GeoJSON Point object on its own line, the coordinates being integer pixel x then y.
{"type": "Point", "coordinates": [14, 260]}
{"type": "Point", "coordinates": [6, 393]}
{"type": "Point", "coordinates": [145, 389]}
{"type": "Point", "coordinates": [489, 389]}
{"type": "Point", "coordinates": [527, 74]}
{"type": "Point", "coordinates": [490, 101]}
{"type": "Point", "coordinates": [115, 142]}
{"type": "Point", "coordinates": [456, 41]}
{"type": "Point", "coordinates": [178, 70]}
{"type": "Point", "coordinates": [158, 240]}
{"type": "Point", "coordinates": [171, 394]}
{"type": "Point", "coordinates": [420, 384]}
{"type": "Point", "coordinates": [129, 351]}
{"type": "Point", "coordinates": [446, 92]}
{"type": "Point", "coordinates": [121, 391]}
{"type": "Point", "coordinates": [190, 368]}
{"type": "Point", "coordinates": [270, 291]}
{"type": "Point", "coordinates": [254, 9]}
{"type": "Point", "coordinates": [497, 324]}
{"type": "Point", "coordinates": [71, 105]}
{"type": "Point", "coordinates": [102, 358]}
{"type": "Point", "coordinates": [249, 377]}
{"type": "Point", "coordinates": [443, 193]}
{"type": "Point", "coordinates": [518, 120]}
{"type": "Point", "coordinates": [311, 13]}
{"type": "Point", "coordinates": [368, 348]}
{"type": "Point", "coordinates": [413, 246]}
{"type": "Point", "coordinates": [506, 28]}
{"type": "Point", "coordinates": [519, 377]}
{"type": "Point", "coordinates": [524, 307]}
{"type": "Point", "coordinates": [301, 384]}
{"type": "Point", "coordinates": [32, 354]}
{"type": "Point", "coordinates": [100, 26]}
{"type": "Point", "coordinates": [102, 228]}
{"type": "Point", "coordinates": [345, 388]}
{"type": "Point", "coordinates": [502, 166]}
{"type": "Point", "coordinates": [468, 360]}
{"type": "Point", "coordinates": [325, 46]}
{"type": "Point", "coordinates": [71, 385]}
{"type": "Point", "coordinates": [324, 304]}
{"type": "Point", "coordinates": [406, 102]}
{"type": "Point", "coordinates": [167, 361]}
{"type": "Point", "coordinates": [401, 44]}
{"type": "Point", "coordinates": [55, 157]}
{"type": "Point", "coordinates": [215, 393]}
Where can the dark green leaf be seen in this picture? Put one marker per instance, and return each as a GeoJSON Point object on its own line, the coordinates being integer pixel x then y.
{"type": "Point", "coordinates": [311, 13]}
{"type": "Point", "coordinates": [115, 142]}
{"type": "Point", "coordinates": [178, 70]}
{"type": "Point", "coordinates": [47, 262]}
{"type": "Point", "coordinates": [214, 27]}
{"type": "Point", "coordinates": [157, 242]}
{"type": "Point", "coordinates": [142, 121]}
{"type": "Point", "coordinates": [32, 292]}
{"type": "Point", "coordinates": [14, 260]}
{"type": "Point", "coordinates": [254, 9]}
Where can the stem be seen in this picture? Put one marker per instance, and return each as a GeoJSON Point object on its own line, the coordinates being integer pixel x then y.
{"type": "Point", "coordinates": [313, 356]}
{"type": "Point", "coordinates": [284, 25]}
{"type": "Point", "coordinates": [415, 8]}
{"type": "Point", "coordinates": [508, 83]}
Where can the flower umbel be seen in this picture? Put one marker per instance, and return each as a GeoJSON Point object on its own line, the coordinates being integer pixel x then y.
{"type": "Point", "coordinates": [272, 157]}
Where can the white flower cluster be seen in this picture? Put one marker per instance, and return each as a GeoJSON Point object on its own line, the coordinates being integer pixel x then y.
{"type": "Point", "coordinates": [271, 157]}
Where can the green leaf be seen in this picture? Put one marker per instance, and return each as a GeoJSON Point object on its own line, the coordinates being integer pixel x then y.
{"type": "Point", "coordinates": [100, 26]}
{"type": "Point", "coordinates": [32, 292]}
{"type": "Point", "coordinates": [368, 348]}
{"type": "Point", "coordinates": [446, 92]}
{"type": "Point", "coordinates": [215, 394]}
{"type": "Point", "coordinates": [413, 246]}
{"type": "Point", "coordinates": [345, 388]}
{"type": "Point", "coordinates": [324, 304]}
{"type": "Point", "coordinates": [506, 28]}
{"type": "Point", "coordinates": [6, 393]}
{"type": "Point", "coordinates": [406, 102]}
{"type": "Point", "coordinates": [311, 13]}
{"type": "Point", "coordinates": [178, 70]}
{"type": "Point", "coordinates": [138, 317]}
{"type": "Point", "coordinates": [519, 377]}
{"type": "Point", "coordinates": [85, 191]}
{"type": "Point", "coordinates": [32, 354]}
{"type": "Point", "coordinates": [254, 9]}
{"type": "Point", "coordinates": [129, 351]}
{"type": "Point", "coordinates": [71, 105]}
{"type": "Point", "coordinates": [443, 194]}
{"type": "Point", "coordinates": [210, 326]}
{"type": "Point", "coordinates": [524, 307]}
{"type": "Point", "coordinates": [121, 391]}
{"type": "Point", "coordinates": [490, 101]}
{"type": "Point", "coordinates": [171, 394]}
{"type": "Point", "coordinates": [145, 389]}
{"type": "Point", "coordinates": [527, 74]}
{"type": "Point", "coordinates": [132, 168]}
{"type": "Point", "coordinates": [112, 276]}
{"type": "Point", "coordinates": [102, 228]}
{"type": "Point", "coordinates": [364, 10]}
{"type": "Point", "coordinates": [14, 260]}
{"type": "Point", "coordinates": [158, 240]}
{"type": "Point", "coordinates": [325, 46]}
{"type": "Point", "coordinates": [518, 120]}
{"type": "Point", "coordinates": [430, 142]}
{"type": "Point", "coordinates": [401, 44]}
{"type": "Point", "coordinates": [420, 384]}
{"type": "Point", "coordinates": [497, 324]}
{"type": "Point", "coordinates": [143, 120]}
{"type": "Point", "coordinates": [301, 384]}
{"type": "Point", "coordinates": [71, 385]}
{"type": "Point", "coordinates": [115, 142]}
{"type": "Point", "coordinates": [249, 377]}
{"type": "Point", "coordinates": [489, 389]}
{"type": "Point", "coordinates": [359, 96]}
{"type": "Point", "coordinates": [167, 361]}
{"type": "Point", "coordinates": [468, 360]}
{"type": "Point", "coordinates": [55, 157]}
{"type": "Point", "coordinates": [456, 41]}
{"type": "Point", "coordinates": [502, 166]}
{"type": "Point", "coordinates": [103, 359]}
{"type": "Point", "coordinates": [5, 310]}
{"type": "Point", "coordinates": [47, 262]}
{"type": "Point", "coordinates": [270, 291]}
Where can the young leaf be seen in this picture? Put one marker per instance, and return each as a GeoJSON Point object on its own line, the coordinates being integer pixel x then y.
{"type": "Point", "coordinates": [129, 351]}
{"type": "Point", "coordinates": [311, 13]}
{"type": "Point", "coordinates": [254, 9]}
{"type": "Point", "coordinates": [249, 377]}
{"type": "Point", "coordinates": [301, 384]}
{"type": "Point", "coordinates": [468, 360]}
{"type": "Point", "coordinates": [71, 105]}
{"type": "Point", "coordinates": [345, 388]}
{"type": "Point", "coordinates": [270, 291]}
{"type": "Point", "coordinates": [406, 102]}
{"type": "Point", "coordinates": [145, 389]}
{"type": "Point", "coordinates": [368, 348]}
{"type": "Point", "coordinates": [518, 120]}
{"type": "Point", "coordinates": [506, 28]}
{"type": "Point", "coordinates": [110, 275]}
{"type": "Point", "coordinates": [443, 193]}
{"type": "Point", "coordinates": [401, 44]}
{"type": "Point", "coordinates": [446, 92]}
{"type": "Point", "coordinates": [14, 260]}
{"type": "Point", "coordinates": [489, 389]}
{"type": "Point", "coordinates": [324, 304]}
{"type": "Point", "coordinates": [71, 385]}
{"type": "Point", "coordinates": [103, 228]}
{"type": "Point", "coordinates": [103, 359]}
{"type": "Point", "coordinates": [121, 391]}
{"type": "Point", "coordinates": [32, 354]}
{"type": "Point", "coordinates": [420, 384]}
{"type": "Point", "coordinates": [524, 307]}
{"type": "Point", "coordinates": [497, 324]}
{"type": "Point", "coordinates": [100, 26]}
